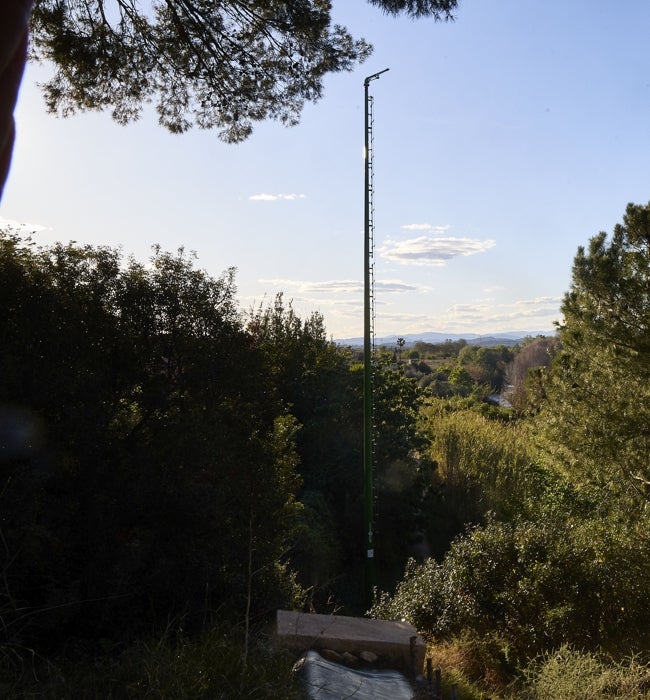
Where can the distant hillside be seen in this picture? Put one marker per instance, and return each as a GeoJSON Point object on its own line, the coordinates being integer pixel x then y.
{"type": "Point", "coordinates": [502, 338]}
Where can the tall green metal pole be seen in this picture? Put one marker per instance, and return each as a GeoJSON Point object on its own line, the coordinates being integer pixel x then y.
{"type": "Point", "coordinates": [367, 358]}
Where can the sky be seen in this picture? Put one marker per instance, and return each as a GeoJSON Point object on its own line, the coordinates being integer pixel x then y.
{"type": "Point", "coordinates": [503, 141]}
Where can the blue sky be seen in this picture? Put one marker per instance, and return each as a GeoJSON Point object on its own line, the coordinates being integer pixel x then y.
{"type": "Point", "coordinates": [503, 141]}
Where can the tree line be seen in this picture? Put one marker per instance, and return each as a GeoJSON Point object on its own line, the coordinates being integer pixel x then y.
{"type": "Point", "coordinates": [166, 454]}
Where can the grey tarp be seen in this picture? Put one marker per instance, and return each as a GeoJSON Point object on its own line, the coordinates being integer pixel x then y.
{"type": "Point", "coordinates": [323, 679]}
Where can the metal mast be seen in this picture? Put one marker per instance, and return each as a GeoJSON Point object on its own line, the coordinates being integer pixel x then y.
{"type": "Point", "coordinates": [368, 341]}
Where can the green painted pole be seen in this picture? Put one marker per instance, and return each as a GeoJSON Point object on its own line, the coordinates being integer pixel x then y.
{"type": "Point", "coordinates": [370, 572]}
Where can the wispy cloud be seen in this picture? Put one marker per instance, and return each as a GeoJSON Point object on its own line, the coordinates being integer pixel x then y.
{"type": "Point", "coordinates": [479, 316]}
{"type": "Point", "coordinates": [426, 227]}
{"type": "Point", "coordinates": [540, 311]}
{"type": "Point", "coordinates": [395, 286]}
{"type": "Point", "coordinates": [264, 197]}
{"type": "Point", "coordinates": [341, 302]}
{"type": "Point", "coordinates": [539, 302]}
{"type": "Point", "coordinates": [340, 286]}
{"type": "Point", "coordinates": [428, 250]}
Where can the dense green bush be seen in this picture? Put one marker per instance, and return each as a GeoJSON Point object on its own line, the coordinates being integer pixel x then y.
{"type": "Point", "coordinates": [536, 585]}
{"type": "Point", "coordinates": [147, 467]}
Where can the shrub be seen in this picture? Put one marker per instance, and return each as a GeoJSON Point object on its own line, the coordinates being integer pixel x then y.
{"type": "Point", "coordinates": [534, 584]}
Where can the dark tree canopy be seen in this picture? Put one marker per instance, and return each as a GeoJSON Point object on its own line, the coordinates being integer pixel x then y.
{"type": "Point", "coordinates": [143, 458]}
{"type": "Point", "coordinates": [438, 9]}
{"type": "Point", "coordinates": [221, 64]}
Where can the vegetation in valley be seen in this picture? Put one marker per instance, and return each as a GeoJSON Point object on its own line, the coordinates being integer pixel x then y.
{"type": "Point", "coordinates": [175, 468]}
{"type": "Point", "coordinates": [542, 509]}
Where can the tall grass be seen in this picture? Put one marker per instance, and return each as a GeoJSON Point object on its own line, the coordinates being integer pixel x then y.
{"type": "Point", "coordinates": [171, 666]}
{"type": "Point", "coordinates": [570, 674]}
{"type": "Point", "coordinates": [471, 664]}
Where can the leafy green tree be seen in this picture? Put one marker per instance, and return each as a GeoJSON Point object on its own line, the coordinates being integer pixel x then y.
{"type": "Point", "coordinates": [446, 350]}
{"type": "Point", "coordinates": [598, 408]}
{"type": "Point", "coordinates": [486, 366]}
{"type": "Point", "coordinates": [310, 377]}
{"type": "Point", "coordinates": [148, 475]}
{"type": "Point", "coordinates": [313, 379]}
{"type": "Point", "coordinates": [222, 65]}
{"type": "Point", "coordinates": [322, 386]}
{"type": "Point", "coordinates": [401, 468]}
{"type": "Point", "coordinates": [461, 380]}
{"type": "Point", "coordinates": [524, 375]}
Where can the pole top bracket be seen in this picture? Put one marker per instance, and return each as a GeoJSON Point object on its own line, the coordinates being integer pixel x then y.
{"type": "Point", "coordinates": [374, 76]}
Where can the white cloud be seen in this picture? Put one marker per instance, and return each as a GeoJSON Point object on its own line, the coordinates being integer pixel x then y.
{"type": "Point", "coordinates": [426, 250]}
{"type": "Point", "coordinates": [21, 226]}
{"type": "Point", "coordinates": [396, 286]}
{"type": "Point", "coordinates": [400, 312]}
{"type": "Point", "coordinates": [426, 227]}
{"type": "Point", "coordinates": [539, 302]}
{"type": "Point", "coordinates": [305, 287]}
{"type": "Point", "coordinates": [263, 197]}
{"type": "Point", "coordinates": [340, 286]}
{"type": "Point", "coordinates": [482, 316]}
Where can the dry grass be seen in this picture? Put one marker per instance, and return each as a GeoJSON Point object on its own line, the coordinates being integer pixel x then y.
{"type": "Point", "coordinates": [476, 666]}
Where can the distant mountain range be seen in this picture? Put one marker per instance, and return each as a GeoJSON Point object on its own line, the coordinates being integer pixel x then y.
{"type": "Point", "coordinates": [491, 340]}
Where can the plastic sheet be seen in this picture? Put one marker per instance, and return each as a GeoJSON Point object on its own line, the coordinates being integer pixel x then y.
{"type": "Point", "coordinates": [325, 680]}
